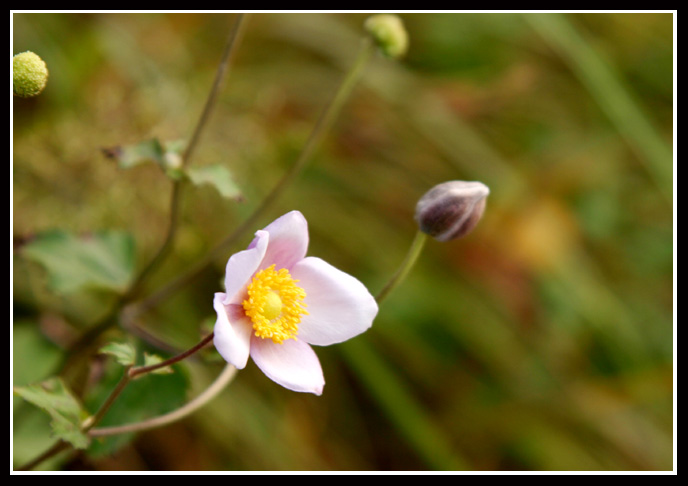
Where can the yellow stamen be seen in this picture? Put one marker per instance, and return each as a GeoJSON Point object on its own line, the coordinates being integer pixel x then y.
{"type": "Point", "coordinates": [275, 304]}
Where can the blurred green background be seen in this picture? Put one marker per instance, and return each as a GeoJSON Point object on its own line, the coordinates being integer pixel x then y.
{"type": "Point", "coordinates": [542, 341]}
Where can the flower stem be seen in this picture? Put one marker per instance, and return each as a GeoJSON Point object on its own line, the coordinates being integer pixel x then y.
{"type": "Point", "coordinates": [233, 41]}
{"type": "Point", "coordinates": [98, 416]}
{"type": "Point", "coordinates": [135, 371]}
{"type": "Point", "coordinates": [142, 370]}
{"type": "Point", "coordinates": [321, 127]}
{"type": "Point", "coordinates": [230, 49]}
{"type": "Point", "coordinates": [405, 267]}
{"type": "Point", "coordinates": [208, 394]}
{"type": "Point", "coordinates": [111, 317]}
{"type": "Point", "coordinates": [130, 373]}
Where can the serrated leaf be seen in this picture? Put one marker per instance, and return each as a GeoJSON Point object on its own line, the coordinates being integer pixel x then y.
{"type": "Point", "coordinates": [153, 359]}
{"type": "Point", "coordinates": [217, 176]}
{"type": "Point", "coordinates": [102, 260]}
{"type": "Point", "coordinates": [55, 398]}
{"type": "Point", "coordinates": [124, 353]}
{"type": "Point", "coordinates": [128, 156]}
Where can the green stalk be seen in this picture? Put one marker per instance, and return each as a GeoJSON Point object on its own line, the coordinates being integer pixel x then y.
{"type": "Point", "coordinates": [318, 133]}
{"type": "Point", "coordinates": [208, 394]}
{"type": "Point", "coordinates": [130, 373]}
{"type": "Point", "coordinates": [391, 393]}
{"type": "Point", "coordinates": [411, 256]}
{"type": "Point", "coordinates": [178, 185]}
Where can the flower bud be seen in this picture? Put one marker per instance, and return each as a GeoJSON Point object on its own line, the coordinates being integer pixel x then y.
{"type": "Point", "coordinates": [29, 74]}
{"type": "Point", "coordinates": [389, 34]}
{"type": "Point", "coordinates": [452, 209]}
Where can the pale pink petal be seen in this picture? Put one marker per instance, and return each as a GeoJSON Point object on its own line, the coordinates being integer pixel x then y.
{"type": "Point", "coordinates": [232, 333]}
{"type": "Point", "coordinates": [288, 241]}
{"type": "Point", "coordinates": [339, 306]}
{"type": "Point", "coordinates": [292, 364]}
{"type": "Point", "coordinates": [241, 267]}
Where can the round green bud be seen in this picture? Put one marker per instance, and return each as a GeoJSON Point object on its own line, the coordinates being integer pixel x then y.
{"type": "Point", "coordinates": [389, 34]}
{"type": "Point", "coordinates": [452, 209]}
{"type": "Point", "coordinates": [29, 74]}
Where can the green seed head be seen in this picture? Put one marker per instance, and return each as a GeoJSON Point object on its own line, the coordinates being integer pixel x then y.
{"type": "Point", "coordinates": [29, 74]}
{"type": "Point", "coordinates": [389, 33]}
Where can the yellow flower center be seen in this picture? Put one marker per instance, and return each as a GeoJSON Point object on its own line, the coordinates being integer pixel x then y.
{"type": "Point", "coordinates": [275, 304]}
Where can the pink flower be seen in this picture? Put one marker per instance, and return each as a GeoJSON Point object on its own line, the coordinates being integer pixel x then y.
{"type": "Point", "coordinates": [277, 302]}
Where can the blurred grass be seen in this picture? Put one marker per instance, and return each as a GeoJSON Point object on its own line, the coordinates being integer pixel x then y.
{"type": "Point", "coordinates": [543, 341]}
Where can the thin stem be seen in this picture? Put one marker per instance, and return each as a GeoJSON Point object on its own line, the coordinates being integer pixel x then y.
{"type": "Point", "coordinates": [141, 370]}
{"type": "Point", "coordinates": [405, 267]}
{"type": "Point", "coordinates": [110, 319]}
{"type": "Point", "coordinates": [175, 203]}
{"type": "Point", "coordinates": [98, 416]}
{"type": "Point", "coordinates": [166, 246]}
{"type": "Point", "coordinates": [133, 372]}
{"type": "Point", "coordinates": [323, 124]}
{"type": "Point", "coordinates": [208, 394]}
{"type": "Point", "coordinates": [129, 374]}
{"type": "Point", "coordinates": [230, 49]}
{"type": "Point", "coordinates": [316, 136]}
{"type": "Point", "coordinates": [89, 423]}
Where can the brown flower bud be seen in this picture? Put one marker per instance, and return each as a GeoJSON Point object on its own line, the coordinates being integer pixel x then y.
{"type": "Point", "coordinates": [452, 209]}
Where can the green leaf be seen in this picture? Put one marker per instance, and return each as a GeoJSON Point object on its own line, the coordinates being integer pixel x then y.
{"type": "Point", "coordinates": [217, 176]}
{"type": "Point", "coordinates": [33, 355]}
{"type": "Point", "coordinates": [167, 156]}
{"type": "Point", "coordinates": [102, 260]}
{"type": "Point", "coordinates": [153, 359]}
{"type": "Point", "coordinates": [55, 398]}
{"type": "Point", "coordinates": [31, 432]}
{"type": "Point", "coordinates": [124, 353]}
{"type": "Point", "coordinates": [128, 156]}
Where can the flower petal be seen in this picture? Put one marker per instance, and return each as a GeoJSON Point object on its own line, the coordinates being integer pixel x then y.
{"type": "Point", "coordinates": [288, 241]}
{"type": "Point", "coordinates": [232, 337]}
{"type": "Point", "coordinates": [339, 306]}
{"type": "Point", "coordinates": [292, 364]}
{"type": "Point", "coordinates": [242, 265]}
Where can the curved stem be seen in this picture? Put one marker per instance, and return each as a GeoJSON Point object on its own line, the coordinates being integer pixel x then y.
{"type": "Point", "coordinates": [405, 267]}
{"type": "Point", "coordinates": [208, 394]}
{"type": "Point", "coordinates": [129, 374]}
{"type": "Point", "coordinates": [134, 371]}
{"type": "Point", "coordinates": [325, 121]}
